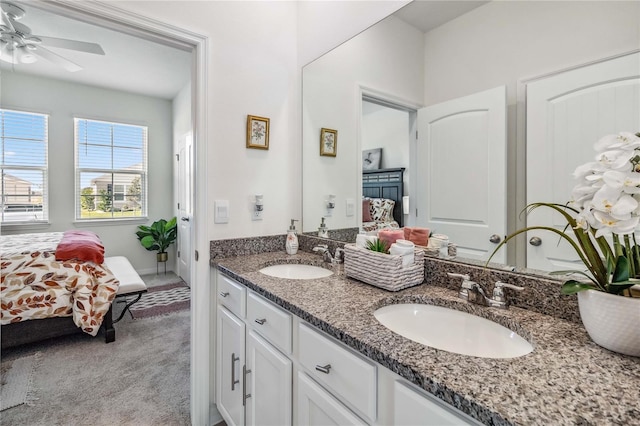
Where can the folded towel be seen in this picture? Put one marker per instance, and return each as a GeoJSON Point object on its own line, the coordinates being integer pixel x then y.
{"type": "Point", "coordinates": [419, 236]}
{"type": "Point", "coordinates": [390, 236]}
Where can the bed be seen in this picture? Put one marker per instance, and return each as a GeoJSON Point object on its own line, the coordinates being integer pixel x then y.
{"type": "Point", "coordinates": [43, 297]}
{"type": "Point", "coordinates": [382, 192]}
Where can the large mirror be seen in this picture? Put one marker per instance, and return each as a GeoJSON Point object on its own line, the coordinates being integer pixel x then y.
{"type": "Point", "coordinates": [369, 90]}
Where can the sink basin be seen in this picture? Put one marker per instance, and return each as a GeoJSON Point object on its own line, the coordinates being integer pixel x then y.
{"type": "Point", "coordinates": [293, 271]}
{"type": "Point", "coordinates": [452, 331]}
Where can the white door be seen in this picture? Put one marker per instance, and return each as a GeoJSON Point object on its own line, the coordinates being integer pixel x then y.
{"type": "Point", "coordinates": [268, 384]}
{"type": "Point", "coordinates": [316, 407]}
{"type": "Point", "coordinates": [462, 166]}
{"type": "Point", "coordinates": [566, 114]}
{"type": "Point", "coordinates": [185, 215]}
{"type": "Point", "coordinates": [230, 359]}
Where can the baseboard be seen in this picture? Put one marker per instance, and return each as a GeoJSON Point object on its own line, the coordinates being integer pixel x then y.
{"type": "Point", "coordinates": [215, 418]}
{"type": "Point", "coordinates": [150, 271]}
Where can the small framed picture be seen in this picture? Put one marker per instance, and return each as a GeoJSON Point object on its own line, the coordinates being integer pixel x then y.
{"type": "Point", "coordinates": [328, 142]}
{"type": "Point", "coordinates": [371, 159]}
{"type": "Point", "coordinates": [257, 132]}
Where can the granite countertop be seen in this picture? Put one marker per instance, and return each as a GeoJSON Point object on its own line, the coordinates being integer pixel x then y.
{"type": "Point", "coordinates": [567, 379]}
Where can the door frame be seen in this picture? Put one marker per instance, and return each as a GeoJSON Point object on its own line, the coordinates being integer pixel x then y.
{"type": "Point", "coordinates": [127, 22]}
{"type": "Point", "coordinates": [369, 94]}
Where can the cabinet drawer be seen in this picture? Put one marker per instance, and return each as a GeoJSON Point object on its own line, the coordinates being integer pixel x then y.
{"type": "Point", "coordinates": [232, 295]}
{"type": "Point", "coordinates": [351, 377]}
{"type": "Point", "coordinates": [270, 321]}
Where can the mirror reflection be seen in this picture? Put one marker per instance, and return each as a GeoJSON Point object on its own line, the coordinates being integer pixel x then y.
{"type": "Point", "coordinates": [476, 63]}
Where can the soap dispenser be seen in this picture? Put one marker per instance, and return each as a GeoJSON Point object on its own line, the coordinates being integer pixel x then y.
{"type": "Point", "coordinates": [323, 231]}
{"type": "Point", "coordinates": [291, 246]}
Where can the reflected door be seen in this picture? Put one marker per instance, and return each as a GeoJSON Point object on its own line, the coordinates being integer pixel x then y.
{"type": "Point", "coordinates": [462, 164]}
{"type": "Point", "coordinates": [185, 215]}
{"type": "Point", "coordinates": [566, 114]}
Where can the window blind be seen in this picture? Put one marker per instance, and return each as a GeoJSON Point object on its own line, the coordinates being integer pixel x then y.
{"type": "Point", "coordinates": [111, 170]}
{"type": "Point", "coordinates": [24, 189]}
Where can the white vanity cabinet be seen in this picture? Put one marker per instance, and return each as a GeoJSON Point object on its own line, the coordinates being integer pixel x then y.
{"type": "Point", "coordinates": [273, 368]}
{"type": "Point", "coordinates": [254, 378]}
{"type": "Point", "coordinates": [317, 407]}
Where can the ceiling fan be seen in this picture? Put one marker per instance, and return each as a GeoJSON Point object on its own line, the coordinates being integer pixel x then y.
{"type": "Point", "coordinates": [19, 46]}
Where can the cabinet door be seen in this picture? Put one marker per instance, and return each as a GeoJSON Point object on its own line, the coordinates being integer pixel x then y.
{"type": "Point", "coordinates": [412, 408]}
{"type": "Point", "coordinates": [268, 382]}
{"type": "Point", "coordinates": [230, 359]}
{"type": "Point", "coordinates": [317, 407]}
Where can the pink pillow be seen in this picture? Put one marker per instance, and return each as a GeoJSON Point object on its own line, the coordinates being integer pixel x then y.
{"type": "Point", "coordinates": [84, 246]}
{"type": "Point", "coordinates": [366, 211]}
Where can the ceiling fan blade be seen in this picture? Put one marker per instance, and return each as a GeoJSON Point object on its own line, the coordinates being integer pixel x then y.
{"type": "Point", "coordinates": [64, 43]}
{"type": "Point", "coordinates": [6, 22]}
{"type": "Point", "coordinates": [56, 59]}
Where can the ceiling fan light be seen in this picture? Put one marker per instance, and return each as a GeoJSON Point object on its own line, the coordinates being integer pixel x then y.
{"type": "Point", "coordinates": [25, 56]}
{"type": "Point", "coordinates": [8, 54]}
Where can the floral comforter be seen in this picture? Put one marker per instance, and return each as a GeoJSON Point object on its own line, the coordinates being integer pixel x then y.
{"type": "Point", "coordinates": [33, 285]}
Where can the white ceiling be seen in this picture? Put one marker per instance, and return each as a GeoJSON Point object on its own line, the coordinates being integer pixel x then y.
{"type": "Point", "coordinates": [135, 65]}
{"type": "Point", "coordinates": [429, 14]}
{"type": "Point", "coordinates": [130, 64]}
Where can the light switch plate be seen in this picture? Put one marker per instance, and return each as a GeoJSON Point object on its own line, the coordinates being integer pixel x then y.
{"type": "Point", "coordinates": [351, 207]}
{"type": "Point", "coordinates": [221, 211]}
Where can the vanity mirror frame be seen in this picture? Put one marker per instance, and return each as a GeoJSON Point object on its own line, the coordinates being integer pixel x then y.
{"type": "Point", "coordinates": [562, 58]}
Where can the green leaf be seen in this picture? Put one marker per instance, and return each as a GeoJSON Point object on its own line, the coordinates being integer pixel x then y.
{"type": "Point", "coordinates": [621, 273]}
{"type": "Point", "coordinates": [573, 286]}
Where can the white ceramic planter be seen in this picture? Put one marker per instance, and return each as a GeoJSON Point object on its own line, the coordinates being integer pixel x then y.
{"type": "Point", "coordinates": [613, 322]}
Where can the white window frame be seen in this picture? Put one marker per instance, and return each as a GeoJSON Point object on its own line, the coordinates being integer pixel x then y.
{"type": "Point", "coordinates": [44, 169]}
{"type": "Point", "coordinates": [143, 173]}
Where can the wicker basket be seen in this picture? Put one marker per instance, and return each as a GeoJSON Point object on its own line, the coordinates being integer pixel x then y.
{"type": "Point", "coordinates": [382, 270]}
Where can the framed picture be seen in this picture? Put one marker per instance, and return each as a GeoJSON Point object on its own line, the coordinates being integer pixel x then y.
{"type": "Point", "coordinates": [257, 132]}
{"type": "Point", "coordinates": [371, 159]}
{"type": "Point", "coordinates": [328, 142]}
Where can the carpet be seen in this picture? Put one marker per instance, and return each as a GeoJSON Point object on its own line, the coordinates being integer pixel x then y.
{"type": "Point", "coordinates": [16, 381]}
{"type": "Point", "coordinates": [162, 299]}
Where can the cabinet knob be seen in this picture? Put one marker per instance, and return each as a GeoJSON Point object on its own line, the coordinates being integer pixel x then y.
{"type": "Point", "coordinates": [495, 238]}
{"type": "Point", "coordinates": [261, 320]}
{"type": "Point", "coordinates": [323, 368]}
{"type": "Point", "coordinates": [224, 293]}
{"type": "Point", "coordinates": [535, 241]}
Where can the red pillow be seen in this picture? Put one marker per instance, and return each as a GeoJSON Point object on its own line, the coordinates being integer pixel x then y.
{"type": "Point", "coordinates": [366, 212]}
{"type": "Point", "coordinates": [84, 246]}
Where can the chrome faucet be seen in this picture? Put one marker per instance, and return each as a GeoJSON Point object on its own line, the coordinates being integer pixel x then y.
{"type": "Point", "coordinates": [326, 254]}
{"type": "Point", "coordinates": [499, 300]}
{"type": "Point", "coordinates": [323, 249]}
{"type": "Point", "coordinates": [473, 292]}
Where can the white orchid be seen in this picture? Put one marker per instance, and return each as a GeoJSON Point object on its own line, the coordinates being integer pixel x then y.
{"type": "Point", "coordinates": [604, 207]}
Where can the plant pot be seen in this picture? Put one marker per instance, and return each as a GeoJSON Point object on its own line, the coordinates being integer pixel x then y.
{"type": "Point", "coordinates": [162, 257]}
{"type": "Point", "coordinates": [613, 322]}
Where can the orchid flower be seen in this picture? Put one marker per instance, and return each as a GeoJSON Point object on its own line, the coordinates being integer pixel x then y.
{"type": "Point", "coordinates": [604, 208]}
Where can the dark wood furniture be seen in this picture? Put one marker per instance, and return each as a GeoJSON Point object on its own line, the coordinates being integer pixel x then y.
{"type": "Point", "coordinates": [385, 183]}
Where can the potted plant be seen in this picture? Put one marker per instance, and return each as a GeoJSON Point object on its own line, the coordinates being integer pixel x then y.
{"type": "Point", "coordinates": [603, 215]}
{"type": "Point", "coordinates": [159, 236]}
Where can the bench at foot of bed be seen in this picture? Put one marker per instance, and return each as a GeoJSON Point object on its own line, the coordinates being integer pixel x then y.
{"type": "Point", "coordinates": [131, 285]}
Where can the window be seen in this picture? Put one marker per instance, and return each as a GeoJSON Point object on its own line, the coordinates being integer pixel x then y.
{"type": "Point", "coordinates": [23, 139]}
{"type": "Point", "coordinates": [111, 170]}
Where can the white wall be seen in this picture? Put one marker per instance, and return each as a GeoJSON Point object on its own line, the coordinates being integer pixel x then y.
{"type": "Point", "coordinates": [504, 41]}
{"type": "Point", "coordinates": [324, 25]}
{"type": "Point", "coordinates": [389, 129]}
{"type": "Point", "coordinates": [252, 71]}
{"type": "Point", "coordinates": [386, 58]}
{"type": "Point", "coordinates": [64, 101]}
